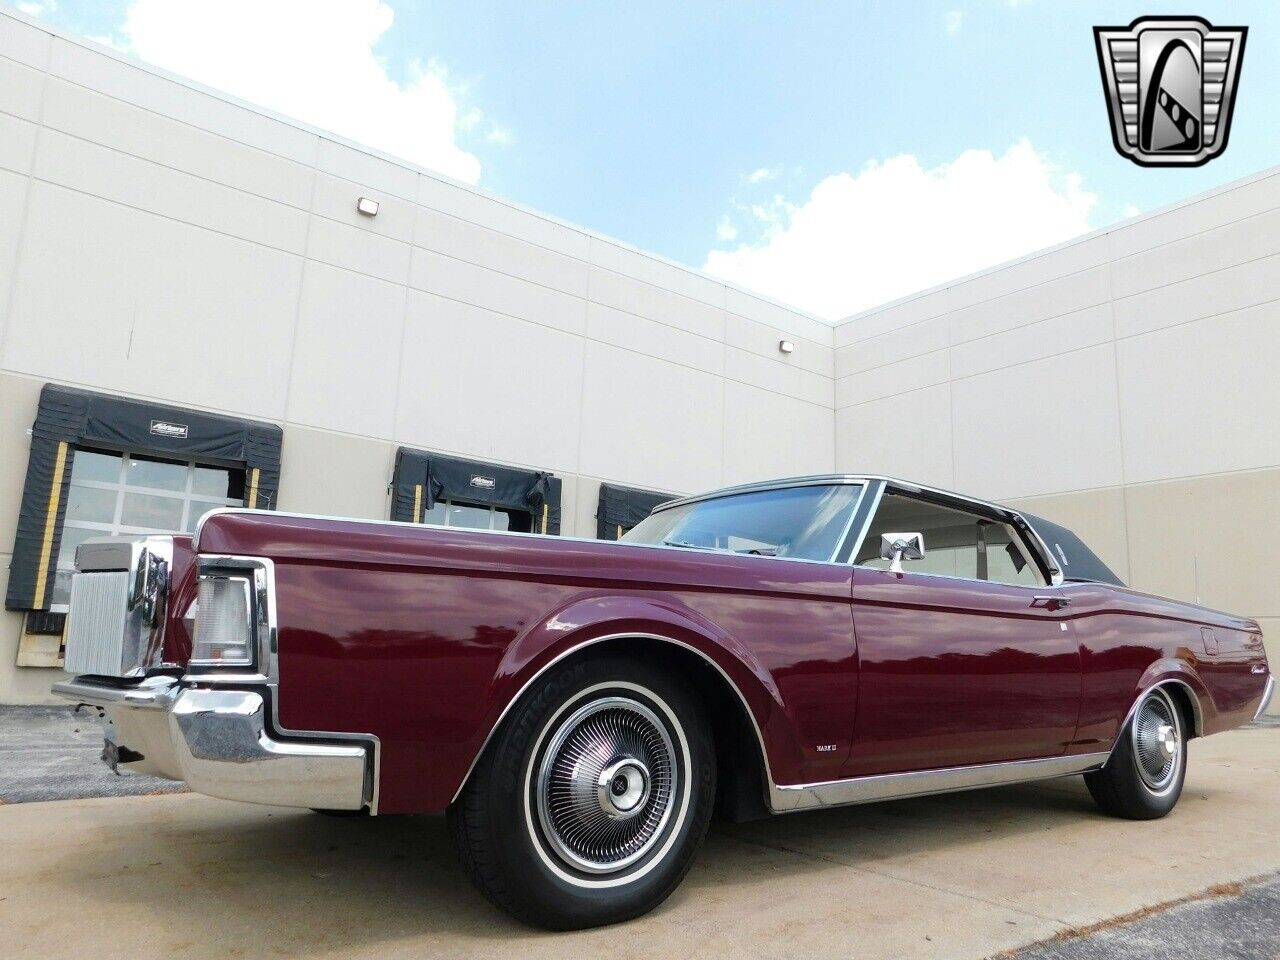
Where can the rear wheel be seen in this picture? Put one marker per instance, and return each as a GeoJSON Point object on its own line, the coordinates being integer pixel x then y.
{"type": "Point", "coordinates": [1143, 778]}
{"type": "Point", "coordinates": [589, 804]}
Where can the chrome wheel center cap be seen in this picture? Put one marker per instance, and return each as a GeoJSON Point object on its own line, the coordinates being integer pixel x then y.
{"type": "Point", "coordinates": [1168, 739]}
{"type": "Point", "coordinates": [622, 788]}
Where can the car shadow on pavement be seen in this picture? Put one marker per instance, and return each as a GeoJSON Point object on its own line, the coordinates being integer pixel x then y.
{"type": "Point", "coordinates": [284, 883]}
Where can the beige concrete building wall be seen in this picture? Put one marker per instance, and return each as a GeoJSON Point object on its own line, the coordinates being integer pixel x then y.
{"type": "Point", "coordinates": [164, 241]}
{"type": "Point", "coordinates": [1123, 384]}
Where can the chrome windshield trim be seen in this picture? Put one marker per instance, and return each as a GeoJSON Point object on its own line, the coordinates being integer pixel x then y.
{"type": "Point", "coordinates": [920, 783]}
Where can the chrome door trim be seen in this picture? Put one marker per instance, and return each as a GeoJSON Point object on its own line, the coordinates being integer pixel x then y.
{"type": "Point", "coordinates": [920, 783]}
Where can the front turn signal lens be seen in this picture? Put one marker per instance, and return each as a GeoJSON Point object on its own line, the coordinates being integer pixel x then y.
{"type": "Point", "coordinates": [224, 622]}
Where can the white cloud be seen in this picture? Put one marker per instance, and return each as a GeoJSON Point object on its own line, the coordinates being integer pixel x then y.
{"type": "Point", "coordinates": [1131, 210]}
{"type": "Point", "coordinates": [726, 231]}
{"type": "Point", "coordinates": [38, 8]}
{"type": "Point", "coordinates": [952, 20]}
{"type": "Point", "coordinates": [312, 60]}
{"type": "Point", "coordinates": [761, 175]}
{"type": "Point", "coordinates": [894, 228]}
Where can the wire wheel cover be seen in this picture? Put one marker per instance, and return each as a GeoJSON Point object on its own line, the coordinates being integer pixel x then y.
{"type": "Point", "coordinates": [606, 784]}
{"type": "Point", "coordinates": [1157, 741]}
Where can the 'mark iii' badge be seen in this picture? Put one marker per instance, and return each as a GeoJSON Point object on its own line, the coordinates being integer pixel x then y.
{"type": "Point", "coordinates": [1170, 84]}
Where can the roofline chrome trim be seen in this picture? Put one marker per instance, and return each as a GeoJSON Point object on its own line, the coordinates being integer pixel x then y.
{"type": "Point", "coordinates": [579, 647]}
{"type": "Point", "coordinates": [921, 783]}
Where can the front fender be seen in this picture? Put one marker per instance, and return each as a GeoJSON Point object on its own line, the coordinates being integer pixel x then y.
{"type": "Point", "coordinates": [588, 621]}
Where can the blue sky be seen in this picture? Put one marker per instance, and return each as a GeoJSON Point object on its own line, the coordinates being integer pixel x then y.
{"type": "Point", "coordinates": [646, 122]}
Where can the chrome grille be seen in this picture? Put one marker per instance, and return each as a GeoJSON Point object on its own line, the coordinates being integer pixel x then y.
{"type": "Point", "coordinates": [115, 624]}
{"type": "Point", "coordinates": [95, 622]}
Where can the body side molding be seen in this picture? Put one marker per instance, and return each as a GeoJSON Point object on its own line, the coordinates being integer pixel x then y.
{"type": "Point", "coordinates": [919, 783]}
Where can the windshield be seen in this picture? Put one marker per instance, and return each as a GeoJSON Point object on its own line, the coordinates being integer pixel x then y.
{"type": "Point", "coordinates": [805, 523]}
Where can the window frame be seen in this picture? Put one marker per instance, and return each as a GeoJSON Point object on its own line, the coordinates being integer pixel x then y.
{"type": "Point", "coordinates": [1018, 528]}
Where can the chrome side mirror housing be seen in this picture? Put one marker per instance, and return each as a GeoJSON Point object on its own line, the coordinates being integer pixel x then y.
{"type": "Point", "coordinates": [896, 547]}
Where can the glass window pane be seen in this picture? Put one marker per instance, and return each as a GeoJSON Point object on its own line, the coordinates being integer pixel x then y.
{"type": "Point", "coordinates": [198, 509]}
{"type": "Point", "coordinates": [92, 465]}
{"type": "Point", "coordinates": [950, 536]}
{"type": "Point", "coordinates": [91, 503]}
{"type": "Point", "coordinates": [211, 482]}
{"type": "Point", "coordinates": [436, 514]}
{"type": "Point", "coordinates": [501, 520]}
{"type": "Point", "coordinates": [1007, 562]}
{"type": "Point", "coordinates": [805, 523]}
{"type": "Point", "coordinates": [72, 537]}
{"type": "Point", "coordinates": [157, 474]}
{"type": "Point", "coordinates": [61, 594]}
{"type": "Point", "coordinates": [158, 513]}
{"type": "Point", "coordinates": [461, 515]}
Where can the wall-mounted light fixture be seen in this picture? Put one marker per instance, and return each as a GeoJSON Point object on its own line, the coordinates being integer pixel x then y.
{"type": "Point", "coordinates": [367, 207]}
{"type": "Point", "coordinates": [786, 346]}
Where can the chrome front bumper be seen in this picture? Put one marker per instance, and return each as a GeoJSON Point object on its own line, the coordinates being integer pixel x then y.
{"type": "Point", "coordinates": [219, 743]}
{"type": "Point", "coordinates": [1267, 692]}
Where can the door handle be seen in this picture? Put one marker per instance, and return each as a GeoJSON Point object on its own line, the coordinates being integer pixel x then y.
{"type": "Point", "coordinates": [1053, 603]}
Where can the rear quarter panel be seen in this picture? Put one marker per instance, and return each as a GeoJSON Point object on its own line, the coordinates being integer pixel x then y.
{"type": "Point", "coordinates": [1131, 641]}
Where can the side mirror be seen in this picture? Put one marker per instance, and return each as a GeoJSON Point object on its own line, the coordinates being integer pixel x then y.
{"type": "Point", "coordinates": [896, 547]}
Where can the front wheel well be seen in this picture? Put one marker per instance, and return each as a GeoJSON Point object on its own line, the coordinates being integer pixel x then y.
{"type": "Point", "coordinates": [741, 774]}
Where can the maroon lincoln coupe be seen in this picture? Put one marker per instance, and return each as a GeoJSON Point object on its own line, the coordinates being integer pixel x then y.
{"type": "Point", "coordinates": [581, 709]}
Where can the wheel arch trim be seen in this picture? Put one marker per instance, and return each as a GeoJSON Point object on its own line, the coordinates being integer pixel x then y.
{"type": "Point", "coordinates": [583, 645]}
{"type": "Point", "coordinates": [1197, 709]}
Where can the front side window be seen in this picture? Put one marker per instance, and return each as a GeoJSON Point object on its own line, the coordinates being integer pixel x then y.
{"type": "Point", "coordinates": [448, 513]}
{"type": "Point", "coordinates": [800, 523]}
{"type": "Point", "coordinates": [957, 543]}
{"type": "Point", "coordinates": [123, 494]}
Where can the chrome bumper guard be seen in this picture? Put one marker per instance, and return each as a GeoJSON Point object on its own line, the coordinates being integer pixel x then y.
{"type": "Point", "coordinates": [219, 744]}
{"type": "Point", "coordinates": [1267, 693]}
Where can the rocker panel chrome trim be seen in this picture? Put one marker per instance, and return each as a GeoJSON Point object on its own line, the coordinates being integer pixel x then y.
{"type": "Point", "coordinates": [919, 783]}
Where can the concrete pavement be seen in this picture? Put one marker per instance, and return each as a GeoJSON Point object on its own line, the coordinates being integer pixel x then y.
{"type": "Point", "coordinates": [964, 876]}
{"type": "Point", "coordinates": [55, 753]}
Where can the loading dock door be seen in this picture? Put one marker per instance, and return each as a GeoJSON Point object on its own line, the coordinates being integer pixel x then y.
{"type": "Point", "coordinates": [621, 508]}
{"type": "Point", "coordinates": [449, 491]}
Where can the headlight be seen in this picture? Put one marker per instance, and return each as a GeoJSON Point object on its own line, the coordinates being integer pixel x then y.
{"type": "Point", "coordinates": [224, 622]}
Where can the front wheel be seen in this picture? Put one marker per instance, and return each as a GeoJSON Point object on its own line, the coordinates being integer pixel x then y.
{"type": "Point", "coordinates": [589, 804]}
{"type": "Point", "coordinates": [1143, 778]}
